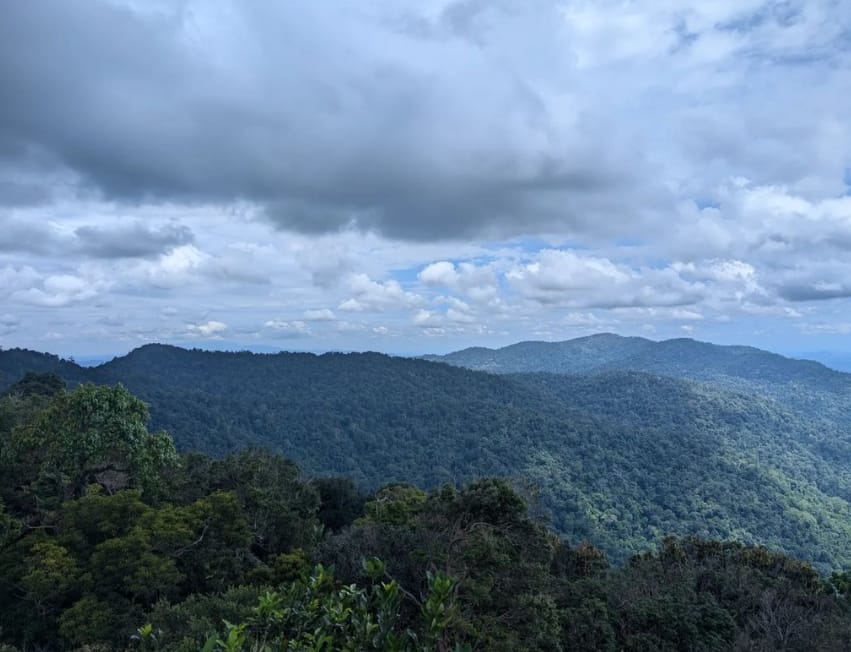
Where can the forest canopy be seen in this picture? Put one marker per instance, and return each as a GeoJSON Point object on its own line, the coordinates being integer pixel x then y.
{"type": "Point", "coordinates": [120, 544]}
{"type": "Point", "coordinates": [618, 458]}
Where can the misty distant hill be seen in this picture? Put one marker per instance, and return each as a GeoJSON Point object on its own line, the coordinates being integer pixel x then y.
{"type": "Point", "coordinates": [620, 457]}
{"type": "Point", "coordinates": [835, 360]}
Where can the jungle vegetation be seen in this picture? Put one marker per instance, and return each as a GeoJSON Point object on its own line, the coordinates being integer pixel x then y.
{"type": "Point", "coordinates": [618, 458]}
{"type": "Point", "coordinates": [112, 540]}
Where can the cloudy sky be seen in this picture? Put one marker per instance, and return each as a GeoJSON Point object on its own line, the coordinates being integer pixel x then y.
{"type": "Point", "coordinates": [423, 176]}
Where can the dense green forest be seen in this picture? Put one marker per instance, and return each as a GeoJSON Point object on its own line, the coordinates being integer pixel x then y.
{"type": "Point", "coordinates": [802, 385]}
{"type": "Point", "coordinates": [111, 540]}
{"type": "Point", "coordinates": [619, 459]}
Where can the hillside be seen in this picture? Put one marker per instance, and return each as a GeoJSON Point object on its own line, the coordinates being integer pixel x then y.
{"type": "Point", "coordinates": [620, 458]}
{"type": "Point", "coordinates": [833, 359]}
{"type": "Point", "coordinates": [682, 357]}
{"type": "Point", "coordinates": [14, 363]}
{"type": "Point", "coordinates": [93, 556]}
{"type": "Point", "coordinates": [802, 385]}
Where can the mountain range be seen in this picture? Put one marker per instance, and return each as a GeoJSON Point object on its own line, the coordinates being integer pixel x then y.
{"type": "Point", "coordinates": [805, 385]}
{"type": "Point", "coordinates": [620, 440]}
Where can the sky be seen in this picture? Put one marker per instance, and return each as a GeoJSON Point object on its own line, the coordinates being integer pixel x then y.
{"type": "Point", "coordinates": [417, 177]}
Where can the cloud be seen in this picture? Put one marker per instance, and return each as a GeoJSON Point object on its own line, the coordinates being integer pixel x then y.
{"type": "Point", "coordinates": [210, 329]}
{"type": "Point", "coordinates": [24, 285]}
{"type": "Point", "coordinates": [439, 273]}
{"type": "Point", "coordinates": [375, 296]}
{"type": "Point", "coordinates": [14, 279]}
{"type": "Point", "coordinates": [822, 328]}
{"type": "Point", "coordinates": [729, 279]}
{"type": "Point", "coordinates": [135, 240]}
{"type": "Point", "coordinates": [426, 318]}
{"type": "Point", "coordinates": [322, 314]}
{"type": "Point", "coordinates": [460, 316]}
{"type": "Point", "coordinates": [187, 265]}
{"type": "Point", "coordinates": [349, 136]}
{"type": "Point", "coordinates": [35, 238]}
{"type": "Point", "coordinates": [326, 262]}
{"type": "Point", "coordinates": [583, 281]}
{"type": "Point", "coordinates": [287, 329]}
{"type": "Point", "coordinates": [57, 290]}
{"type": "Point", "coordinates": [173, 269]}
{"type": "Point", "coordinates": [131, 241]}
{"type": "Point", "coordinates": [583, 319]}
{"type": "Point", "coordinates": [766, 224]}
{"type": "Point", "coordinates": [458, 169]}
{"type": "Point", "coordinates": [478, 283]}
{"type": "Point", "coordinates": [818, 283]}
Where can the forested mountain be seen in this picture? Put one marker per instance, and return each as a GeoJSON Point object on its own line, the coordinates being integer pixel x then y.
{"type": "Point", "coordinates": [682, 357]}
{"type": "Point", "coordinates": [833, 359]}
{"type": "Point", "coordinates": [802, 385]}
{"type": "Point", "coordinates": [619, 458]}
{"type": "Point", "coordinates": [14, 363]}
{"type": "Point", "coordinates": [110, 540]}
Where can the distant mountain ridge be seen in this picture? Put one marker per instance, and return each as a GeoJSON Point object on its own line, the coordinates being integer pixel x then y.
{"type": "Point", "coordinates": [607, 351]}
{"type": "Point", "coordinates": [621, 457]}
{"type": "Point", "coordinates": [840, 361]}
{"type": "Point", "coordinates": [805, 385]}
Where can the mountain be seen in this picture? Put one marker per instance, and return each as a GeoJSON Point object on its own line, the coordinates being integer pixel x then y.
{"type": "Point", "coordinates": [838, 360]}
{"type": "Point", "coordinates": [619, 458]}
{"type": "Point", "coordinates": [681, 357]}
{"type": "Point", "coordinates": [14, 363]}
{"type": "Point", "coordinates": [803, 385]}
{"type": "Point", "coordinates": [583, 355]}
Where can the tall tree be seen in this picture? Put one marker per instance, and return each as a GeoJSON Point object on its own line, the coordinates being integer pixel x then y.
{"type": "Point", "coordinates": [91, 435]}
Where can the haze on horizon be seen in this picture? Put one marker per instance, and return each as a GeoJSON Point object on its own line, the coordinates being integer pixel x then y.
{"type": "Point", "coordinates": [424, 176]}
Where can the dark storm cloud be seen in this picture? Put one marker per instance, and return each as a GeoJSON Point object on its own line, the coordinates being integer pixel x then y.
{"type": "Point", "coordinates": [815, 291]}
{"type": "Point", "coordinates": [324, 118]}
{"type": "Point", "coordinates": [815, 280]}
{"type": "Point", "coordinates": [131, 241]}
{"type": "Point", "coordinates": [26, 236]}
{"type": "Point", "coordinates": [134, 240]}
{"type": "Point", "coordinates": [22, 194]}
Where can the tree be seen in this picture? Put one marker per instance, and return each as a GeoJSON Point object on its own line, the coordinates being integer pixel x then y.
{"type": "Point", "coordinates": [94, 434]}
{"type": "Point", "coordinates": [37, 384]}
{"type": "Point", "coordinates": [317, 612]}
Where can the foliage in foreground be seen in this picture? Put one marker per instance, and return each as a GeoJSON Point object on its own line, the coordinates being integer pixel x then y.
{"type": "Point", "coordinates": [315, 612]}
{"type": "Point", "coordinates": [118, 544]}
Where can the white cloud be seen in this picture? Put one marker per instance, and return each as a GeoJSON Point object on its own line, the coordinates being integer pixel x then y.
{"type": "Point", "coordinates": [209, 329]}
{"type": "Point", "coordinates": [426, 318]}
{"type": "Point", "coordinates": [441, 273]}
{"type": "Point", "coordinates": [375, 296]}
{"type": "Point", "coordinates": [281, 328]}
{"type": "Point", "coordinates": [321, 314]}
{"type": "Point", "coordinates": [479, 283]}
{"type": "Point", "coordinates": [460, 317]}
{"type": "Point", "coordinates": [15, 279]}
{"type": "Point", "coordinates": [587, 320]}
{"type": "Point", "coordinates": [26, 286]}
{"type": "Point", "coordinates": [578, 280]}
{"type": "Point", "coordinates": [352, 305]}
{"type": "Point", "coordinates": [688, 315]}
